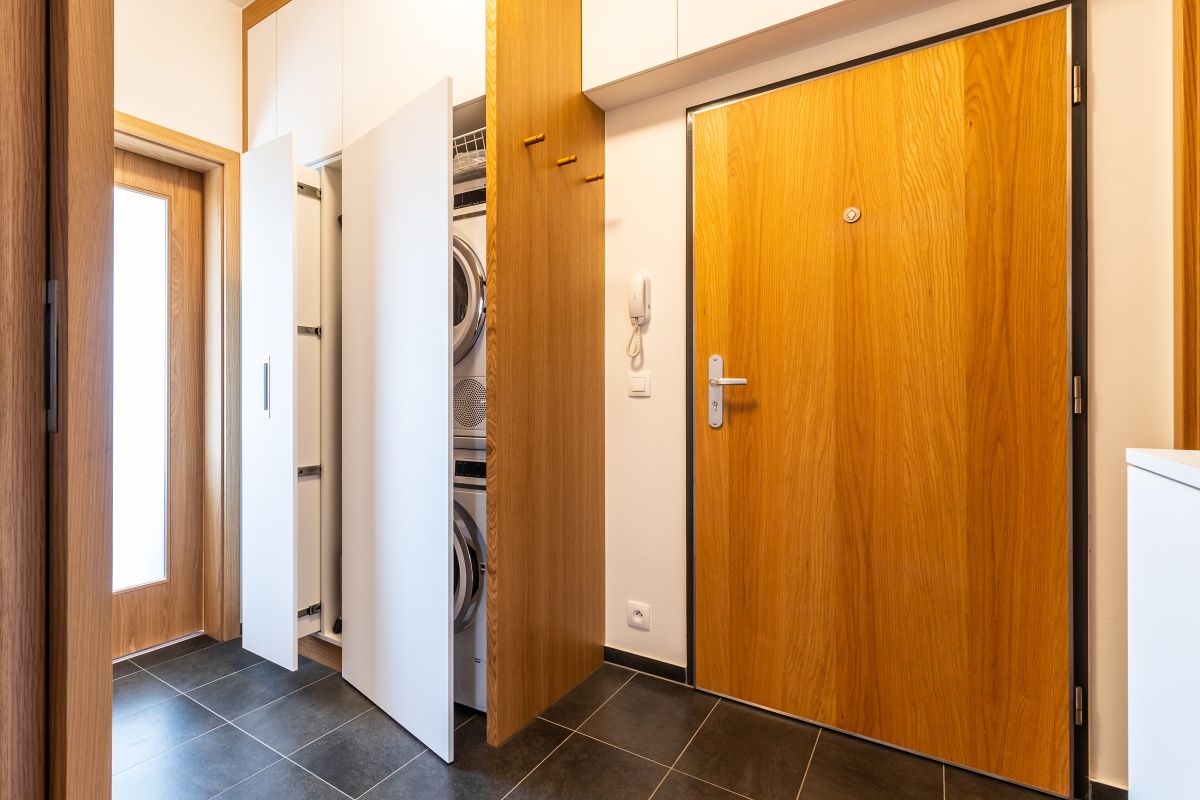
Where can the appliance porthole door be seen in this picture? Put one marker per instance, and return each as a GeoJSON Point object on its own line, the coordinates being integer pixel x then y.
{"type": "Point", "coordinates": [468, 571]}
{"type": "Point", "coordinates": [469, 302]}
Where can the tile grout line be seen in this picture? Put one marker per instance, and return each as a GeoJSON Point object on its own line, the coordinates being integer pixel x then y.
{"type": "Point", "coordinates": [811, 755]}
{"type": "Point", "coordinates": [277, 699]}
{"type": "Point", "coordinates": [248, 777]}
{"type": "Point", "coordinates": [402, 766]}
{"type": "Point", "coordinates": [326, 733]}
{"type": "Point", "coordinates": [318, 777]}
{"type": "Point", "coordinates": [568, 737]}
{"type": "Point", "coordinates": [610, 744]}
{"type": "Point", "coordinates": [684, 750]}
{"type": "Point", "coordinates": [176, 658]}
{"type": "Point", "coordinates": [710, 783]}
{"type": "Point", "coordinates": [176, 747]}
{"type": "Point", "coordinates": [214, 680]}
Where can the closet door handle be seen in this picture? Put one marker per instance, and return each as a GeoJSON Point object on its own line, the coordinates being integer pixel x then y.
{"type": "Point", "coordinates": [727, 382]}
{"type": "Point", "coordinates": [266, 386]}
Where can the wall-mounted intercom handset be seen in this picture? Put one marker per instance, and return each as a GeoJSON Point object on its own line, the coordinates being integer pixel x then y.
{"type": "Point", "coordinates": [639, 313]}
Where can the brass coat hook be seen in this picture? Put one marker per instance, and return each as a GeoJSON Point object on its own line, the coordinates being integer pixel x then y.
{"type": "Point", "coordinates": [599, 176]}
{"type": "Point", "coordinates": [562, 162]}
{"type": "Point", "coordinates": [539, 137]}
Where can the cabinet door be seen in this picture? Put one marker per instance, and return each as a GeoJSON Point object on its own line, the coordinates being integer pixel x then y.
{"type": "Point", "coordinates": [625, 37]}
{"type": "Point", "coordinates": [261, 82]}
{"type": "Point", "coordinates": [396, 368]}
{"type": "Point", "coordinates": [310, 76]}
{"type": "Point", "coordinates": [280, 288]}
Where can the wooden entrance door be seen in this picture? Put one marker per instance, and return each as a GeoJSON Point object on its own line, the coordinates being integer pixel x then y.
{"type": "Point", "coordinates": [148, 614]}
{"type": "Point", "coordinates": [882, 521]}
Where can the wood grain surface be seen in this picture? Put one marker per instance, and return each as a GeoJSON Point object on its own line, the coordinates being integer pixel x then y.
{"type": "Point", "coordinates": [545, 366]}
{"type": "Point", "coordinates": [221, 169]}
{"type": "Point", "coordinates": [321, 651]}
{"type": "Point", "coordinates": [80, 208]}
{"type": "Point", "coordinates": [1187, 224]}
{"type": "Point", "coordinates": [22, 410]}
{"type": "Point", "coordinates": [147, 616]}
{"type": "Point", "coordinates": [882, 523]}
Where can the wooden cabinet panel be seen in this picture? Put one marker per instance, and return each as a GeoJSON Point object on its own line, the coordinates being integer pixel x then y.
{"type": "Point", "coordinates": [545, 366]}
{"type": "Point", "coordinates": [625, 37]}
{"type": "Point", "coordinates": [310, 76]}
{"type": "Point", "coordinates": [261, 80]}
{"type": "Point", "coordinates": [708, 23]}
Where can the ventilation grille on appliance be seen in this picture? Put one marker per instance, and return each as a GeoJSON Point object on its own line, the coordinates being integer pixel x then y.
{"type": "Point", "coordinates": [470, 403]}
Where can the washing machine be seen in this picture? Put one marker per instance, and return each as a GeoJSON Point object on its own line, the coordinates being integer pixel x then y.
{"type": "Point", "coordinates": [470, 572]}
{"type": "Point", "coordinates": [470, 320]}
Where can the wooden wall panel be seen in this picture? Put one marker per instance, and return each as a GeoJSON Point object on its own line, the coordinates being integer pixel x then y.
{"type": "Point", "coordinates": [22, 418]}
{"type": "Point", "coordinates": [545, 365]}
{"type": "Point", "coordinates": [1187, 224]}
{"type": "Point", "coordinates": [80, 253]}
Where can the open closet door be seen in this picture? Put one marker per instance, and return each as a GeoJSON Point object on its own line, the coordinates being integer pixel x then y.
{"type": "Point", "coordinates": [396, 373]}
{"type": "Point", "coordinates": [280, 378]}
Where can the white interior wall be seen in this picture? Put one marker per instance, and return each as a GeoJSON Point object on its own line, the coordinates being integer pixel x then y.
{"type": "Point", "coordinates": [1131, 284]}
{"type": "Point", "coordinates": [179, 64]}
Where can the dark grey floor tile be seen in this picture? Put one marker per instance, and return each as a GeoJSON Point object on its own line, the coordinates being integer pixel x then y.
{"type": "Point", "coordinates": [124, 668]}
{"type": "Point", "coordinates": [462, 714]}
{"type": "Point", "coordinates": [361, 753]}
{"type": "Point", "coordinates": [283, 780]}
{"type": "Point", "coordinates": [196, 770]}
{"type": "Point", "coordinates": [678, 786]}
{"type": "Point", "coordinates": [963, 785]}
{"type": "Point", "coordinates": [651, 717]}
{"type": "Point", "coordinates": [750, 752]}
{"type": "Point", "coordinates": [250, 689]}
{"type": "Point", "coordinates": [846, 768]}
{"type": "Point", "coordinates": [579, 703]}
{"type": "Point", "coordinates": [584, 769]}
{"type": "Point", "coordinates": [144, 734]}
{"type": "Point", "coordinates": [164, 654]}
{"type": "Point", "coordinates": [293, 721]}
{"type": "Point", "coordinates": [140, 690]}
{"type": "Point", "coordinates": [479, 772]}
{"type": "Point", "coordinates": [205, 666]}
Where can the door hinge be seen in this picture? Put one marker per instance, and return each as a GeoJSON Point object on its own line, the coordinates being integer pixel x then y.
{"type": "Point", "coordinates": [307, 612]}
{"type": "Point", "coordinates": [1077, 394]}
{"type": "Point", "coordinates": [309, 330]}
{"type": "Point", "coordinates": [305, 472]}
{"type": "Point", "coordinates": [308, 191]}
{"type": "Point", "coordinates": [1078, 705]}
{"type": "Point", "coordinates": [1076, 85]}
{"type": "Point", "coordinates": [51, 356]}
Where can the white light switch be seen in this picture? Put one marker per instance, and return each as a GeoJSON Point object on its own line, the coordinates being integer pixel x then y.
{"type": "Point", "coordinates": [639, 384]}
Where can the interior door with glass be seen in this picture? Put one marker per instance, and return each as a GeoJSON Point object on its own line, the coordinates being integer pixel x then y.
{"type": "Point", "coordinates": [397, 607]}
{"type": "Point", "coordinates": [158, 351]}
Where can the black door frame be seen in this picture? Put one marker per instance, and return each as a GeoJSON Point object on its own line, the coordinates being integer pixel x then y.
{"type": "Point", "coordinates": [1078, 349]}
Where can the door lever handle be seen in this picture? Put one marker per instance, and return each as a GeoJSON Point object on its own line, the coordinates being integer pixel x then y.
{"type": "Point", "coordinates": [726, 381]}
{"type": "Point", "coordinates": [716, 390]}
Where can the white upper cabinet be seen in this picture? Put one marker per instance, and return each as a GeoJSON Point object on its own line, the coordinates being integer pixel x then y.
{"type": "Point", "coordinates": [396, 49]}
{"type": "Point", "coordinates": [310, 76]}
{"type": "Point", "coordinates": [708, 23]}
{"type": "Point", "coordinates": [261, 81]}
{"type": "Point", "coordinates": [625, 37]}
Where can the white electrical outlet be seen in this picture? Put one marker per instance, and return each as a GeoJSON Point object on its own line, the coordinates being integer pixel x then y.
{"type": "Point", "coordinates": [638, 615]}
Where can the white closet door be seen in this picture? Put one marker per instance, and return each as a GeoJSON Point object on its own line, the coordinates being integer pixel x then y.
{"type": "Point", "coordinates": [396, 479]}
{"type": "Point", "coordinates": [268, 402]}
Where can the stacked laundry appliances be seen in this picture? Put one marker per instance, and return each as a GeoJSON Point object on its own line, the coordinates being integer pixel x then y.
{"type": "Point", "coordinates": [468, 318]}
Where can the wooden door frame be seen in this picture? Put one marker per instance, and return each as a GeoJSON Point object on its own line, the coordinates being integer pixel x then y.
{"type": "Point", "coordinates": [1078, 349]}
{"type": "Point", "coordinates": [1187, 223]}
{"type": "Point", "coordinates": [221, 171]}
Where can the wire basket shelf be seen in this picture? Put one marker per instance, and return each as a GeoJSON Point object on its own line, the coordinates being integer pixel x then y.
{"type": "Point", "coordinates": [470, 156]}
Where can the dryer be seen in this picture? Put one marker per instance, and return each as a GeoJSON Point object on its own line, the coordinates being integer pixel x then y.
{"type": "Point", "coordinates": [470, 575]}
{"type": "Point", "coordinates": [470, 321]}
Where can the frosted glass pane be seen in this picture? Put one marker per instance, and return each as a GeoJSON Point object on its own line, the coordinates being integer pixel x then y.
{"type": "Point", "coordinates": [139, 389]}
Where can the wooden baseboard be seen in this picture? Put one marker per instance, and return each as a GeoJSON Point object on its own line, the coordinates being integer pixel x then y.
{"type": "Point", "coordinates": [650, 666]}
{"type": "Point", "coordinates": [1102, 791]}
{"type": "Point", "coordinates": [322, 652]}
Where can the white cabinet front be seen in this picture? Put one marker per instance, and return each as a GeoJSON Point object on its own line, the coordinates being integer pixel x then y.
{"type": "Point", "coordinates": [625, 37]}
{"type": "Point", "coordinates": [310, 76]}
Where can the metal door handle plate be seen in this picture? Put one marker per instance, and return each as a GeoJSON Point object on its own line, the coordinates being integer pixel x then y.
{"type": "Point", "coordinates": [716, 390]}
